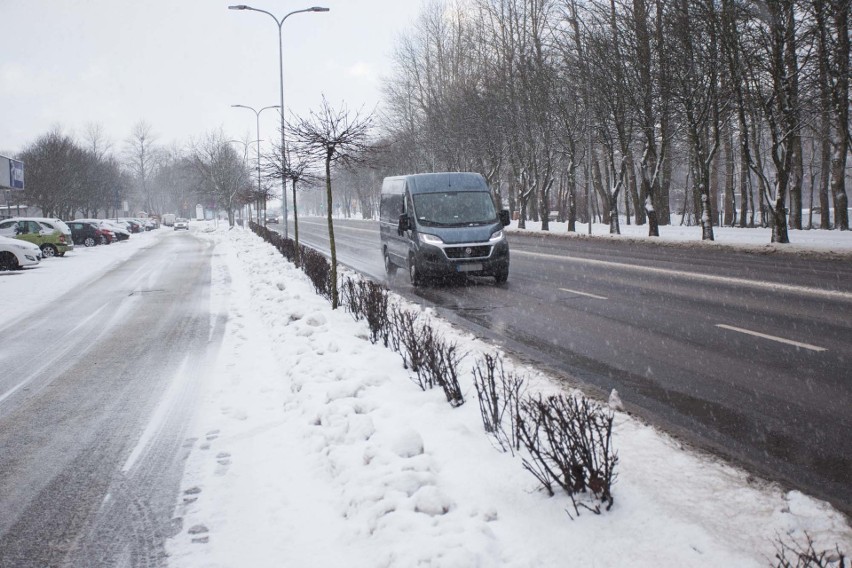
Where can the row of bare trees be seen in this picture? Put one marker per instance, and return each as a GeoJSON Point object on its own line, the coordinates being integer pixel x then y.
{"type": "Point", "coordinates": [648, 108]}
{"type": "Point", "coordinates": [68, 177]}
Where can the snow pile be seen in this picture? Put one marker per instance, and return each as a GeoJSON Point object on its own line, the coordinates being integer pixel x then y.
{"type": "Point", "coordinates": [314, 448]}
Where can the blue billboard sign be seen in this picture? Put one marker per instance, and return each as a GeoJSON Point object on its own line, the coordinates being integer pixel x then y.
{"type": "Point", "coordinates": [16, 174]}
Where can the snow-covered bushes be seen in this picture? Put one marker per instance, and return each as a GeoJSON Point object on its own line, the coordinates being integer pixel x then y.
{"type": "Point", "coordinates": [499, 394]}
{"type": "Point", "coordinates": [795, 554]}
{"type": "Point", "coordinates": [567, 439]}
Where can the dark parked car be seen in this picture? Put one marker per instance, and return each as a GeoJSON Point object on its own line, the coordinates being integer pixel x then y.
{"type": "Point", "coordinates": [86, 234]}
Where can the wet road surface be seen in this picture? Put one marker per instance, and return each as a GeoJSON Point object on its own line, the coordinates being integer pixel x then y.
{"type": "Point", "coordinates": [96, 393]}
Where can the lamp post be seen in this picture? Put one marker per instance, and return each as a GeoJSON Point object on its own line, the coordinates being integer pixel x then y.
{"type": "Point", "coordinates": [257, 117]}
{"type": "Point", "coordinates": [280, 23]}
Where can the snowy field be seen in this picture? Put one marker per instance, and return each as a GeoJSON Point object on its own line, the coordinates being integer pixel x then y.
{"type": "Point", "coordinates": [312, 447]}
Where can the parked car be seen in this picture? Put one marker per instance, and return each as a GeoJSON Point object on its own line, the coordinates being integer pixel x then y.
{"type": "Point", "coordinates": [52, 236]}
{"type": "Point", "coordinates": [16, 254]}
{"type": "Point", "coordinates": [134, 225]}
{"type": "Point", "coordinates": [114, 232]}
{"type": "Point", "coordinates": [86, 233]}
{"type": "Point", "coordinates": [181, 224]}
{"type": "Point", "coordinates": [121, 233]}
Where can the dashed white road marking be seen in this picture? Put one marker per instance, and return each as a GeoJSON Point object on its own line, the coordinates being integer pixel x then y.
{"type": "Point", "coordinates": [772, 337]}
{"type": "Point", "coordinates": [595, 296]}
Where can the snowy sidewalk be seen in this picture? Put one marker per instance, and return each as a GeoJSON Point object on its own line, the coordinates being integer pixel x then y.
{"type": "Point", "coordinates": [313, 448]}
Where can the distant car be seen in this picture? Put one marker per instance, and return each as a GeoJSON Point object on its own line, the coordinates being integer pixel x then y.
{"type": "Point", "coordinates": [272, 219]}
{"type": "Point", "coordinates": [181, 224]}
{"type": "Point", "coordinates": [133, 225]}
{"type": "Point", "coordinates": [16, 254]}
{"type": "Point", "coordinates": [86, 233]}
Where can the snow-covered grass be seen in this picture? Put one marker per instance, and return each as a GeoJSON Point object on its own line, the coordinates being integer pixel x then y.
{"type": "Point", "coordinates": [313, 447]}
{"type": "Point", "coordinates": [758, 239]}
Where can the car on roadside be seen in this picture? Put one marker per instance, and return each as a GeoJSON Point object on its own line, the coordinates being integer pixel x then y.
{"type": "Point", "coordinates": [181, 224]}
{"type": "Point", "coordinates": [133, 225]}
{"type": "Point", "coordinates": [52, 236]}
{"type": "Point", "coordinates": [112, 231]}
{"type": "Point", "coordinates": [86, 233]}
{"type": "Point", "coordinates": [16, 254]}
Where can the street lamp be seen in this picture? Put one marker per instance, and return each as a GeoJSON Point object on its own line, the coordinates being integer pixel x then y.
{"type": "Point", "coordinates": [280, 23]}
{"type": "Point", "coordinates": [257, 116]}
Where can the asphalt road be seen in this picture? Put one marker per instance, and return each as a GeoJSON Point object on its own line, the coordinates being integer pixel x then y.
{"type": "Point", "coordinates": [96, 392]}
{"type": "Point", "coordinates": [746, 355]}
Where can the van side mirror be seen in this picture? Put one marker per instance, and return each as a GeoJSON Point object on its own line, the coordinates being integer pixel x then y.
{"type": "Point", "coordinates": [404, 223]}
{"type": "Point", "coordinates": [504, 217]}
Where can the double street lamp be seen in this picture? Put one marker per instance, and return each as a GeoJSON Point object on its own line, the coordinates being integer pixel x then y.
{"type": "Point", "coordinates": [280, 23]}
{"type": "Point", "coordinates": [257, 116]}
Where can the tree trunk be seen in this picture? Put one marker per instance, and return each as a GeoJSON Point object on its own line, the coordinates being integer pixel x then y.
{"type": "Point", "coordinates": [334, 297]}
{"type": "Point", "coordinates": [295, 225]}
{"type": "Point", "coordinates": [840, 102]}
{"type": "Point", "coordinates": [730, 201]}
{"type": "Point", "coordinates": [745, 179]}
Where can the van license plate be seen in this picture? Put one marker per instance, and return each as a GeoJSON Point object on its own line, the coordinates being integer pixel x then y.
{"type": "Point", "coordinates": [469, 267]}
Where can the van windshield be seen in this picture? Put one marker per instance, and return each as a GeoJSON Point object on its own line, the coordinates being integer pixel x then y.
{"type": "Point", "coordinates": [454, 208]}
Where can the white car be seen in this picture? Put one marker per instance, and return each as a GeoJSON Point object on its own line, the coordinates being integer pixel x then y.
{"type": "Point", "coordinates": [181, 224]}
{"type": "Point", "coordinates": [16, 254]}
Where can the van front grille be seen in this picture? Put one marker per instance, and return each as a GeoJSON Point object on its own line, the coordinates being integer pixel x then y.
{"type": "Point", "coordinates": [468, 252]}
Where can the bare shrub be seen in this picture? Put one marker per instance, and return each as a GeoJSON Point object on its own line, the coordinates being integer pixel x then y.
{"type": "Point", "coordinates": [794, 554]}
{"type": "Point", "coordinates": [440, 366]}
{"type": "Point", "coordinates": [318, 269]}
{"type": "Point", "coordinates": [569, 441]}
{"type": "Point", "coordinates": [499, 394]}
{"type": "Point", "coordinates": [365, 299]}
{"type": "Point", "coordinates": [350, 298]}
{"type": "Point", "coordinates": [408, 338]}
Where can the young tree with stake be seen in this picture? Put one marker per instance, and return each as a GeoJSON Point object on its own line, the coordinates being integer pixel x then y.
{"type": "Point", "coordinates": [336, 136]}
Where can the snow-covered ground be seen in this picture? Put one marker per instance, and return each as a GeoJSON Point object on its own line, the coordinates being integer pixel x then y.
{"type": "Point", "coordinates": [312, 447]}
{"type": "Point", "coordinates": [804, 241]}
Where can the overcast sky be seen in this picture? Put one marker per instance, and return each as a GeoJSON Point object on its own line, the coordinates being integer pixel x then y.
{"type": "Point", "coordinates": [180, 64]}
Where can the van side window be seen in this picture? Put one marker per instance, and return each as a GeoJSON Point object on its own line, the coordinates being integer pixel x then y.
{"type": "Point", "coordinates": [391, 208]}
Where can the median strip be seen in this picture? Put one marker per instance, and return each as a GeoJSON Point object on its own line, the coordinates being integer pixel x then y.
{"type": "Point", "coordinates": [772, 337]}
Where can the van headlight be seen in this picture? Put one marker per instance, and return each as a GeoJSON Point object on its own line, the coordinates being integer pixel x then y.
{"type": "Point", "coordinates": [496, 236]}
{"type": "Point", "coordinates": [430, 239]}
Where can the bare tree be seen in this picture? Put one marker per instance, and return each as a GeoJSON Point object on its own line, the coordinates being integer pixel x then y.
{"type": "Point", "coordinates": [337, 137]}
{"type": "Point", "coordinates": [140, 153]}
{"type": "Point", "coordinates": [223, 172]}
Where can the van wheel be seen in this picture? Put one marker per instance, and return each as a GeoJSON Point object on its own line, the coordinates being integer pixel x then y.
{"type": "Point", "coordinates": [501, 276]}
{"type": "Point", "coordinates": [8, 261]}
{"type": "Point", "coordinates": [414, 272]}
{"type": "Point", "coordinates": [89, 242]}
{"type": "Point", "coordinates": [390, 267]}
{"type": "Point", "coordinates": [48, 251]}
